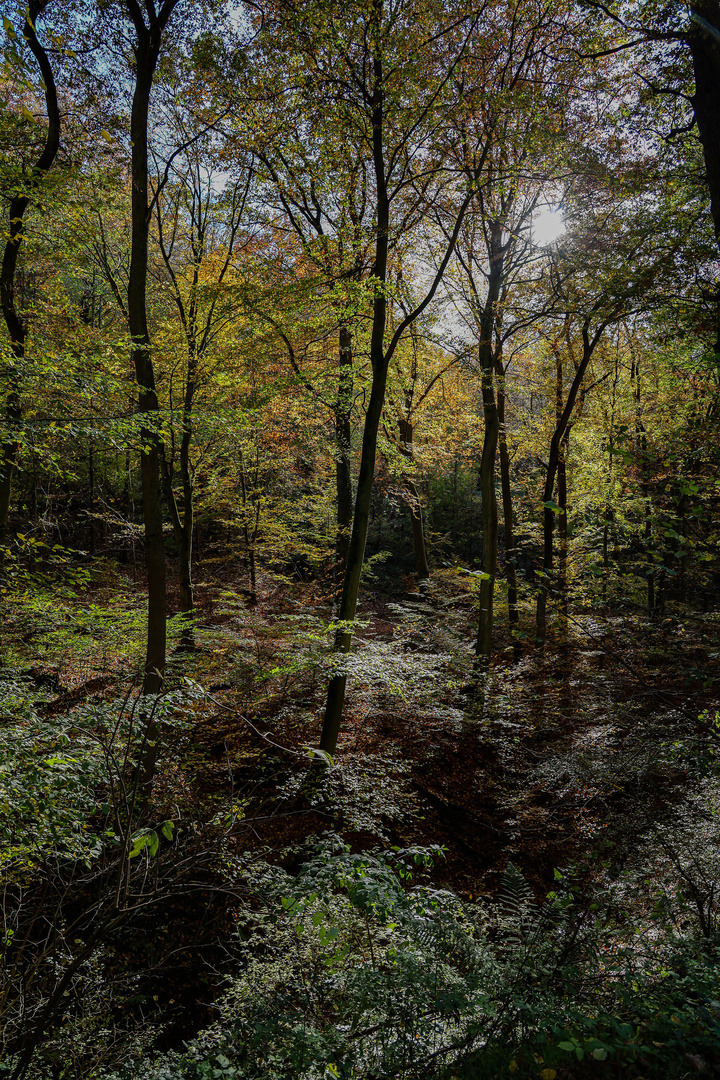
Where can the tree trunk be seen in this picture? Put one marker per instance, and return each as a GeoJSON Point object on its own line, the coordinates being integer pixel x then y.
{"type": "Point", "coordinates": [422, 568]}
{"type": "Point", "coordinates": [553, 460]}
{"type": "Point", "coordinates": [250, 534]}
{"type": "Point", "coordinates": [563, 531]}
{"type": "Point", "coordinates": [704, 42]}
{"type": "Point", "coordinates": [488, 495]}
{"type": "Point", "coordinates": [147, 51]}
{"type": "Point", "coordinates": [358, 535]}
{"type": "Point", "coordinates": [16, 231]}
{"type": "Point", "coordinates": [146, 56]}
{"type": "Point", "coordinates": [183, 533]}
{"type": "Point", "coordinates": [705, 53]}
{"type": "Point", "coordinates": [508, 525]}
{"type": "Point", "coordinates": [380, 358]}
{"type": "Point", "coordinates": [183, 525]}
{"type": "Point", "coordinates": [91, 483]}
{"type": "Point", "coordinates": [379, 362]}
{"type": "Point", "coordinates": [343, 476]}
{"type": "Point", "coordinates": [641, 451]}
{"type": "Point", "coordinates": [185, 547]}
{"type": "Point", "coordinates": [562, 492]}
{"type": "Point", "coordinates": [489, 515]}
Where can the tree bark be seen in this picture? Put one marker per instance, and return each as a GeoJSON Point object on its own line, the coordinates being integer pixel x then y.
{"type": "Point", "coordinates": [358, 536]}
{"type": "Point", "coordinates": [16, 232]}
{"type": "Point", "coordinates": [91, 484]}
{"type": "Point", "coordinates": [563, 529]}
{"type": "Point", "coordinates": [553, 461]}
{"type": "Point", "coordinates": [183, 524]}
{"type": "Point", "coordinates": [704, 42]}
{"type": "Point", "coordinates": [147, 51]}
{"type": "Point", "coordinates": [366, 476]}
{"type": "Point", "coordinates": [562, 494]}
{"type": "Point", "coordinates": [250, 533]}
{"type": "Point", "coordinates": [422, 568]}
{"type": "Point", "coordinates": [488, 497]}
{"type": "Point", "coordinates": [343, 476]}
{"type": "Point", "coordinates": [488, 494]}
{"type": "Point", "coordinates": [705, 53]}
{"type": "Point", "coordinates": [508, 524]}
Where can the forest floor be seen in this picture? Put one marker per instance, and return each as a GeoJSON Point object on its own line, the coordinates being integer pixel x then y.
{"type": "Point", "coordinates": [554, 767]}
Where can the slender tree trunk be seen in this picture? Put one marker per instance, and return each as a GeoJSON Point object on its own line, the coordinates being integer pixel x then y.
{"type": "Point", "coordinates": [609, 516]}
{"type": "Point", "coordinates": [183, 524]}
{"type": "Point", "coordinates": [183, 532]}
{"type": "Point", "coordinates": [563, 532]}
{"type": "Point", "coordinates": [15, 234]}
{"type": "Point", "coordinates": [641, 450]}
{"type": "Point", "coordinates": [358, 537]}
{"type": "Point", "coordinates": [91, 482]}
{"type": "Point", "coordinates": [553, 459]}
{"type": "Point", "coordinates": [488, 494]}
{"type": "Point", "coordinates": [250, 533]}
{"type": "Point", "coordinates": [33, 494]}
{"type": "Point", "coordinates": [705, 53]}
{"type": "Point", "coordinates": [185, 548]}
{"type": "Point", "coordinates": [422, 568]}
{"type": "Point", "coordinates": [380, 358]}
{"type": "Point", "coordinates": [508, 524]}
{"type": "Point", "coordinates": [343, 476]}
{"type": "Point", "coordinates": [562, 496]}
{"type": "Point", "coordinates": [379, 363]}
{"type": "Point", "coordinates": [147, 51]}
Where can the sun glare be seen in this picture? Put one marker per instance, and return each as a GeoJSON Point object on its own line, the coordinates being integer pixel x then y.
{"type": "Point", "coordinates": [548, 226]}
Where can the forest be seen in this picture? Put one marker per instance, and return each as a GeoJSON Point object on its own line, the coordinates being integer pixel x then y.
{"type": "Point", "coordinates": [359, 539]}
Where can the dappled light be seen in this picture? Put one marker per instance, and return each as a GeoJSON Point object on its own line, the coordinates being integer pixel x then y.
{"type": "Point", "coordinates": [359, 546]}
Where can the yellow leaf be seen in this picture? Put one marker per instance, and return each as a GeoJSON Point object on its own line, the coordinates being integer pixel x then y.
{"type": "Point", "coordinates": [513, 1065]}
{"type": "Point", "coordinates": [106, 135]}
{"type": "Point", "coordinates": [548, 1074]}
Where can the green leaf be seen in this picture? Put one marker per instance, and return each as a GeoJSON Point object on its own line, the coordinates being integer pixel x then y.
{"type": "Point", "coordinates": [567, 1046]}
{"type": "Point", "coordinates": [148, 839]}
{"type": "Point", "coordinates": [600, 1053]}
{"type": "Point", "coordinates": [167, 829]}
{"type": "Point", "coordinates": [321, 755]}
{"type": "Point", "coordinates": [139, 843]}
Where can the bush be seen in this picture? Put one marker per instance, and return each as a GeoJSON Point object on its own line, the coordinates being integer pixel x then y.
{"type": "Point", "coordinates": [352, 971]}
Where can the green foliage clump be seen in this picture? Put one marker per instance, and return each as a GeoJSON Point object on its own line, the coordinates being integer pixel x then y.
{"type": "Point", "coordinates": [49, 770]}
{"type": "Point", "coordinates": [351, 971]}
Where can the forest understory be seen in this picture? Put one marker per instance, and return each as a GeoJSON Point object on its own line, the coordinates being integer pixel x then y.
{"type": "Point", "coordinates": [359, 542]}
{"type": "Point", "coordinates": [566, 802]}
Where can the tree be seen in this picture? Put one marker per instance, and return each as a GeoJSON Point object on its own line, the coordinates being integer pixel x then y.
{"type": "Point", "coordinates": [197, 231]}
{"type": "Point", "coordinates": [595, 299]}
{"type": "Point", "coordinates": [26, 190]}
{"type": "Point", "coordinates": [497, 260]}
{"type": "Point", "coordinates": [389, 100]}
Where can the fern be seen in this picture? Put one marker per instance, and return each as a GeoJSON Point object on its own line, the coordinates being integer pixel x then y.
{"type": "Point", "coordinates": [519, 917]}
